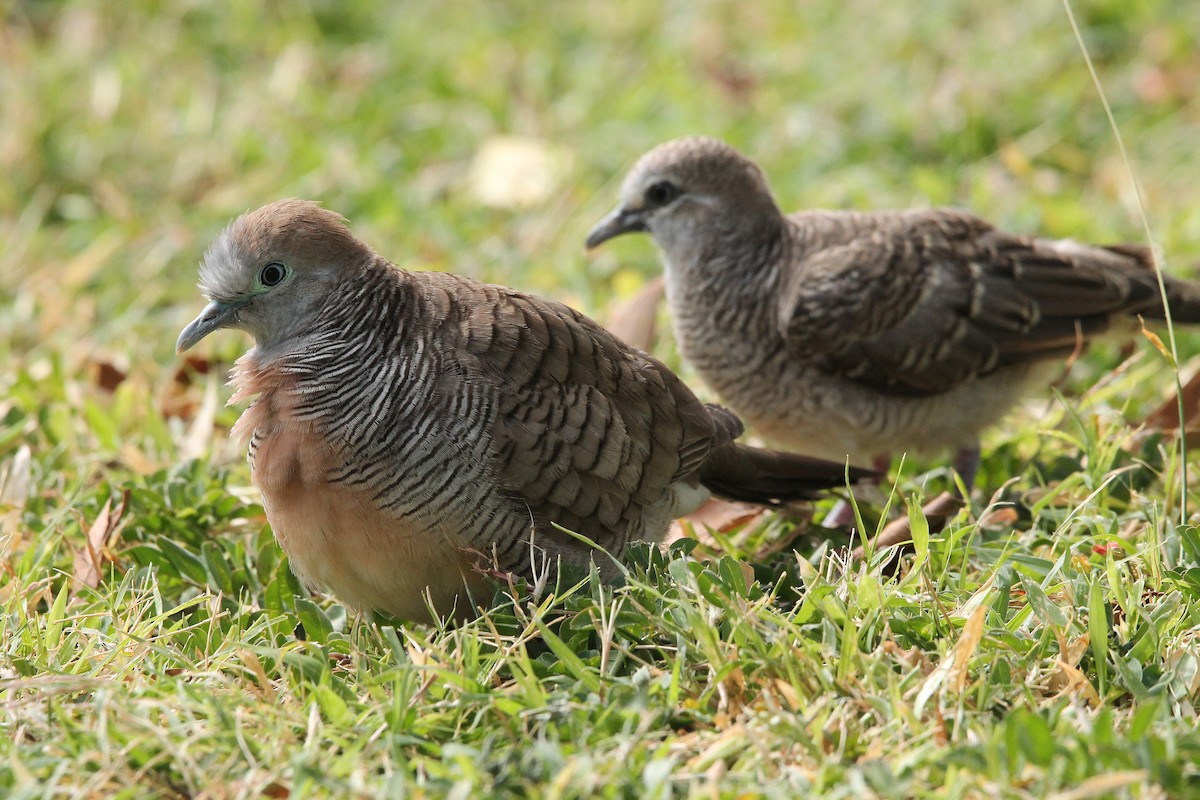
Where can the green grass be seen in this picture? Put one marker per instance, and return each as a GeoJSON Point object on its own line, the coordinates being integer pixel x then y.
{"type": "Point", "coordinates": [1052, 652]}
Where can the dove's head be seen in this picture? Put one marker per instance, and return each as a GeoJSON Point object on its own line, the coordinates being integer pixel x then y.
{"type": "Point", "coordinates": [689, 192]}
{"type": "Point", "coordinates": [268, 272]}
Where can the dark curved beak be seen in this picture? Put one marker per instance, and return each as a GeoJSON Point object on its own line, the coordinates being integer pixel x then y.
{"type": "Point", "coordinates": [618, 222]}
{"type": "Point", "coordinates": [216, 315]}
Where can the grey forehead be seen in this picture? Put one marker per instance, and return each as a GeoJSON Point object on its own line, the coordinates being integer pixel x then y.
{"type": "Point", "coordinates": [693, 162]}
{"type": "Point", "coordinates": [223, 272]}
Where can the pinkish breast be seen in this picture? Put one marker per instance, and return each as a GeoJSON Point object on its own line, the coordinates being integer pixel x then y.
{"type": "Point", "coordinates": [334, 536]}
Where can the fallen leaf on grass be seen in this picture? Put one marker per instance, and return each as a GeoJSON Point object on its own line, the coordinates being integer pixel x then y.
{"type": "Point", "coordinates": [633, 321]}
{"type": "Point", "coordinates": [90, 560]}
{"type": "Point", "coordinates": [788, 694]}
{"type": "Point", "coordinates": [729, 742]}
{"type": "Point", "coordinates": [731, 697]}
{"type": "Point", "coordinates": [106, 374]}
{"type": "Point", "coordinates": [15, 477]}
{"type": "Point", "coordinates": [724, 516]}
{"type": "Point", "coordinates": [274, 789]}
{"type": "Point", "coordinates": [937, 512]}
{"type": "Point", "coordinates": [998, 518]}
{"type": "Point", "coordinates": [199, 433]}
{"type": "Point", "coordinates": [516, 172]}
{"type": "Point", "coordinates": [717, 515]}
{"type": "Point", "coordinates": [1165, 418]}
{"type": "Point", "coordinates": [911, 658]}
{"type": "Point", "coordinates": [951, 673]}
{"type": "Point", "coordinates": [179, 397]}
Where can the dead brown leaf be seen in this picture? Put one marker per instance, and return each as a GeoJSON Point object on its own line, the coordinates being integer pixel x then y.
{"type": "Point", "coordinates": [1166, 416]}
{"type": "Point", "coordinates": [1067, 678]}
{"type": "Point", "coordinates": [180, 397]}
{"type": "Point", "coordinates": [15, 479]}
{"type": "Point", "coordinates": [106, 374]}
{"type": "Point", "coordinates": [731, 694]}
{"type": "Point", "coordinates": [788, 694]}
{"type": "Point", "coordinates": [274, 789]}
{"type": "Point", "coordinates": [634, 320]}
{"type": "Point", "coordinates": [937, 511]}
{"type": "Point", "coordinates": [722, 516]}
{"type": "Point", "coordinates": [89, 561]}
{"type": "Point", "coordinates": [1003, 517]}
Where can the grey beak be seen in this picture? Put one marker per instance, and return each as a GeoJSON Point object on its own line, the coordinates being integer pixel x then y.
{"type": "Point", "coordinates": [618, 222]}
{"type": "Point", "coordinates": [216, 315]}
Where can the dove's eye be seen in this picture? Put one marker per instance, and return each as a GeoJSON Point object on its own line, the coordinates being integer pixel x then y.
{"type": "Point", "coordinates": [272, 274]}
{"type": "Point", "coordinates": [661, 193]}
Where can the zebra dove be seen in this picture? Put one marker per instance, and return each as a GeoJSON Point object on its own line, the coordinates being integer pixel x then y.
{"type": "Point", "coordinates": [858, 334]}
{"type": "Point", "coordinates": [406, 427]}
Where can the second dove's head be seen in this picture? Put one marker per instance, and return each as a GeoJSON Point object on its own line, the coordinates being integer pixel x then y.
{"type": "Point", "coordinates": [686, 190]}
{"type": "Point", "coordinates": [268, 272]}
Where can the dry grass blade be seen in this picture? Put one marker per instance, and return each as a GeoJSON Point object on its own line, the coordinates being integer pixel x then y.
{"type": "Point", "coordinates": [1104, 785]}
{"type": "Point", "coordinates": [966, 646]}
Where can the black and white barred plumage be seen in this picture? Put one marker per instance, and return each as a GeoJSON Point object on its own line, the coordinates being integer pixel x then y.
{"type": "Point", "coordinates": [407, 428]}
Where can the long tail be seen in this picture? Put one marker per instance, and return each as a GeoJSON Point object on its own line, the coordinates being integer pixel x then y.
{"type": "Point", "coordinates": [1184, 299]}
{"type": "Point", "coordinates": [769, 477]}
{"type": "Point", "coordinates": [1183, 296]}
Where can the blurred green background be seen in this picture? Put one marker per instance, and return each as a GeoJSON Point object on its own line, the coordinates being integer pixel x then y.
{"type": "Point", "coordinates": [486, 137]}
{"type": "Point", "coordinates": [131, 132]}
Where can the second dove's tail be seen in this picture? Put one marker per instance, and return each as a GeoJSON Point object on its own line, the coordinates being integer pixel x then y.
{"type": "Point", "coordinates": [755, 475]}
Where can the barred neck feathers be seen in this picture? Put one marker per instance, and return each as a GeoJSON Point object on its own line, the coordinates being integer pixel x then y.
{"type": "Point", "coordinates": [319, 372]}
{"type": "Point", "coordinates": [727, 292]}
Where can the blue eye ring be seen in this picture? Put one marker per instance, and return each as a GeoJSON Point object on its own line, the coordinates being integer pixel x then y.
{"type": "Point", "coordinates": [272, 274]}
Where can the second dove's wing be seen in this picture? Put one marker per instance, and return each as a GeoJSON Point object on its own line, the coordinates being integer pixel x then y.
{"type": "Point", "coordinates": [929, 302]}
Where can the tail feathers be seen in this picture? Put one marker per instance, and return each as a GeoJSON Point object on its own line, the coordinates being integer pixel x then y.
{"type": "Point", "coordinates": [770, 477]}
{"type": "Point", "coordinates": [1138, 252]}
{"type": "Point", "coordinates": [1183, 296]}
{"type": "Point", "coordinates": [726, 423]}
{"type": "Point", "coordinates": [1184, 299]}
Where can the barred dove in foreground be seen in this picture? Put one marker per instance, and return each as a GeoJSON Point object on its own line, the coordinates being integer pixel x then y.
{"type": "Point", "coordinates": [860, 334]}
{"type": "Point", "coordinates": [409, 427]}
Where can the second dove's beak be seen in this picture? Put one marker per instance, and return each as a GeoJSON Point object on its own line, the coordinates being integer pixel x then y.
{"type": "Point", "coordinates": [618, 222]}
{"type": "Point", "coordinates": [216, 315]}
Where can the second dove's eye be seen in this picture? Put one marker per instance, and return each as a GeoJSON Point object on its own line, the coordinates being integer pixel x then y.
{"type": "Point", "coordinates": [272, 274]}
{"type": "Point", "coordinates": [661, 193]}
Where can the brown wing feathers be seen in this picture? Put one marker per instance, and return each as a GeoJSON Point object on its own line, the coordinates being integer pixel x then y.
{"type": "Point", "coordinates": [922, 302]}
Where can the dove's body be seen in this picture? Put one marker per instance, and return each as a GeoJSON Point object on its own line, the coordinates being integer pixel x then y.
{"type": "Point", "coordinates": [864, 334]}
{"type": "Point", "coordinates": [411, 426]}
